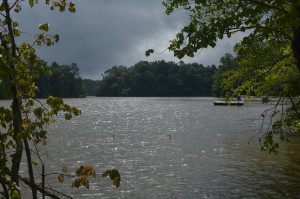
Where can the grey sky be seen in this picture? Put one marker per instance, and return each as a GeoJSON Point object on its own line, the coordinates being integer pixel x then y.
{"type": "Point", "coordinates": [105, 33]}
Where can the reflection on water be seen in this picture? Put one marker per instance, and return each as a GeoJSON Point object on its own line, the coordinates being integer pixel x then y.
{"type": "Point", "coordinates": [212, 153]}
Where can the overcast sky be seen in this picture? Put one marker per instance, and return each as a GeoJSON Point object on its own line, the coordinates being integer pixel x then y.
{"type": "Point", "coordinates": [106, 33]}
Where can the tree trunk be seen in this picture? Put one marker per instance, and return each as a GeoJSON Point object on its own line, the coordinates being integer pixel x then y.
{"type": "Point", "coordinates": [296, 42]}
{"type": "Point", "coordinates": [17, 119]}
{"type": "Point", "coordinates": [296, 47]}
{"type": "Point", "coordinates": [30, 170]}
{"type": "Point", "coordinates": [5, 191]}
{"type": "Point", "coordinates": [16, 110]}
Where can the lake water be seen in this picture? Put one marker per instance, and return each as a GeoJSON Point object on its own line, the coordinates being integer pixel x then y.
{"type": "Point", "coordinates": [212, 151]}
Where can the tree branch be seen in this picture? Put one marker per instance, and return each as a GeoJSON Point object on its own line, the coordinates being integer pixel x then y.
{"type": "Point", "coordinates": [5, 194]}
{"type": "Point", "coordinates": [295, 107]}
{"type": "Point", "coordinates": [268, 6]}
{"type": "Point", "coordinates": [14, 4]}
{"type": "Point", "coordinates": [47, 191]}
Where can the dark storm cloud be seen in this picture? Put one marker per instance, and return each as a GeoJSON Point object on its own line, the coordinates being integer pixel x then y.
{"type": "Point", "coordinates": [104, 33]}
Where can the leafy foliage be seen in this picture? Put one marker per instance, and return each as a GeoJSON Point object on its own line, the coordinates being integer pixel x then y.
{"type": "Point", "coordinates": [58, 80]}
{"type": "Point", "coordinates": [114, 175]}
{"type": "Point", "coordinates": [24, 123]}
{"type": "Point", "coordinates": [270, 71]}
{"type": "Point", "coordinates": [268, 57]}
{"type": "Point", "coordinates": [83, 173]}
{"type": "Point", "coordinates": [228, 63]}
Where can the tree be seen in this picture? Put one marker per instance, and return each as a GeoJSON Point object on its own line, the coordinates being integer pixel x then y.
{"type": "Point", "coordinates": [90, 86]}
{"type": "Point", "coordinates": [3, 90]}
{"type": "Point", "coordinates": [157, 78]}
{"type": "Point", "coordinates": [269, 54]}
{"type": "Point", "coordinates": [23, 124]}
{"type": "Point", "coordinates": [64, 82]}
{"type": "Point", "coordinates": [228, 62]}
{"type": "Point", "coordinates": [269, 71]}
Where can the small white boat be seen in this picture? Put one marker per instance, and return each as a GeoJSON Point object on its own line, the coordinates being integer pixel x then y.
{"type": "Point", "coordinates": [233, 103]}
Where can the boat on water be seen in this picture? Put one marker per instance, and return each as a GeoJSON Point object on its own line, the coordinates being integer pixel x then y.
{"type": "Point", "coordinates": [232, 103]}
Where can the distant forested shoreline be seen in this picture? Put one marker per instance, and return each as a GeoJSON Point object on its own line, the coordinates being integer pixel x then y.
{"type": "Point", "coordinates": [64, 81]}
{"type": "Point", "coordinates": [158, 78]}
{"type": "Point", "coordinates": [165, 79]}
{"type": "Point", "coordinates": [144, 79]}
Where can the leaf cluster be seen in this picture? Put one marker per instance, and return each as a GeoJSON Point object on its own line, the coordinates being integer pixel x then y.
{"type": "Point", "coordinates": [269, 70]}
{"type": "Point", "coordinates": [83, 175]}
{"type": "Point", "coordinates": [212, 20]}
{"type": "Point", "coordinates": [27, 118]}
{"type": "Point", "coordinates": [114, 175]}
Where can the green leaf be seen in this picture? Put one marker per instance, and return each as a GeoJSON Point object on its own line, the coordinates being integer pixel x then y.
{"type": "Point", "coordinates": [29, 102]}
{"type": "Point", "coordinates": [38, 112]}
{"type": "Point", "coordinates": [2, 7]}
{"type": "Point", "coordinates": [14, 194]}
{"type": "Point", "coordinates": [44, 27]}
{"type": "Point", "coordinates": [56, 38]}
{"type": "Point", "coordinates": [68, 116]}
{"type": "Point", "coordinates": [148, 52]}
{"type": "Point", "coordinates": [31, 3]}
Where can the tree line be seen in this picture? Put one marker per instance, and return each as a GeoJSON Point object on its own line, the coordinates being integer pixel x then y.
{"type": "Point", "coordinates": [64, 81]}
{"type": "Point", "coordinates": [144, 79]}
{"type": "Point", "coordinates": [158, 78]}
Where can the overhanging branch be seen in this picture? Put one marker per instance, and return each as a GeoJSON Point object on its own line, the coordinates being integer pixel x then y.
{"type": "Point", "coordinates": [268, 6]}
{"type": "Point", "coordinates": [47, 191]}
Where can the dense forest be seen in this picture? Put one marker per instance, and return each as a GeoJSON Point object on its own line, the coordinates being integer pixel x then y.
{"type": "Point", "coordinates": [90, 86]}
{"type": "Point", "coordinates": [158, 78]}
{"type": "Point", "coordinates": [65, 82]}
{"type": "Point", "coordinates": [162, 78]}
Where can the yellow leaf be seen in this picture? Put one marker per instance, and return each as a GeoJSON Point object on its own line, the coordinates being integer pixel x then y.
{"type": "Point", "coordinates": [114, 176]}
{"type": "Point", "coordinates": [61, 8]}
{"type": "Point", "coordinates": [116, 182]}
{"type": "Point", "coordinates": [55, 3]}
{"type": "Point", "coordinates": [56, 38]}
{"type": "Point", "coordinates": [63, 2]}
{"type": "Point", "coordinates": [44, 142]}
{"type": "Point", "coordinates": [31, 3]}
{"type": "Point", "coordinates": [64, 169]}
{"type": "Point", "coordinates": [72, 8]}
{"type": "Point", "coordinates": [34, 163]}
{"type": "Point", "coordinates": [61, 178]}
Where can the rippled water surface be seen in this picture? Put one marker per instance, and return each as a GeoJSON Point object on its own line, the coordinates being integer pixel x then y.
{"type": "Point", "coordinates": [212, 151]}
